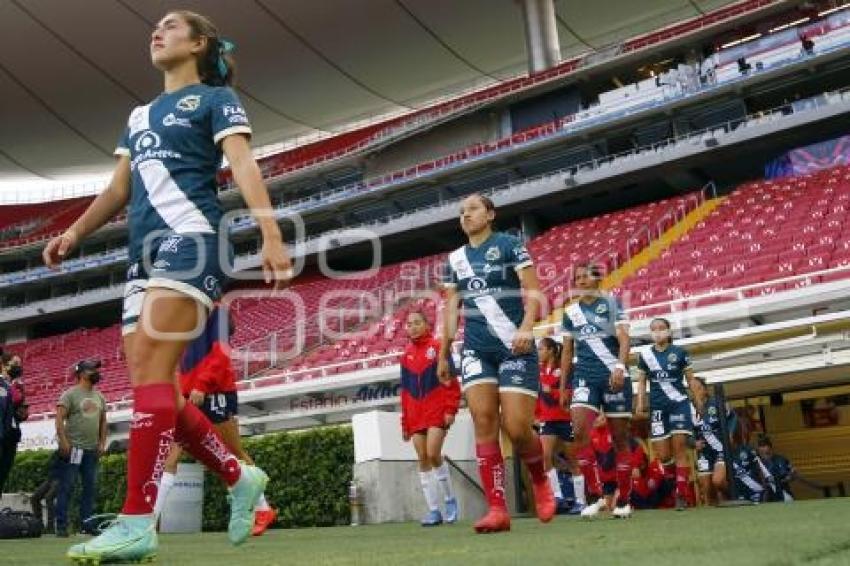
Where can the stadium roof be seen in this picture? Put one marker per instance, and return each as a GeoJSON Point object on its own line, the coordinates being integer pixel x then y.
{"type": "Point", "coordinates": [70, 71]}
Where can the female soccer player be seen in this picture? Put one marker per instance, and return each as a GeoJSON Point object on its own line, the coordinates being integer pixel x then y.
{"type": "Point", "coordinates": [167, 162]}
{"type": "Point", "coordinates": [207, 379]}
{"type": "Point", "coordinates": [556, 432]}
{"type": "Point", "coordinates": [711, 458]}
{"type": "Point", "coordinates": [428, 409]}
{"type": "Point", "coordinates": [597, 333]}
{"type": "Point", "coordinates": [499, 362]}
{"type": "Point", "coordinates": [668, 367]}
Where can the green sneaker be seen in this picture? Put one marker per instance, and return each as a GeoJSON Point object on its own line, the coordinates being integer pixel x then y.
{"type": "Point", "coordinates": [243, 498]}
{"type": "Point", "coordinates": [129, 538]}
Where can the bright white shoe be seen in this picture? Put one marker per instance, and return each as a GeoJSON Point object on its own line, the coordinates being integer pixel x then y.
{"type": "Point", "coordinates": [622, 511]}
{"type": "Point", "coordinates": [594, 509]}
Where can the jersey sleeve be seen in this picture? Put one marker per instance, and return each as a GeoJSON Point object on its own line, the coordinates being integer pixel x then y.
{"type": "Point", "coordinates": [517, 254]}
{"type": "Point", "coordinates": [123, 147]}
{"type": "Point", "coordinates": [620, 316]}
{"type": "Point", "coordinates": [567, 327]}
{"type": "Point", "coordinates": [65, 400]}
{"type": "Point", "coordinates": [686, 360]}
{"type": "Point", "coordinates": [228, 116]}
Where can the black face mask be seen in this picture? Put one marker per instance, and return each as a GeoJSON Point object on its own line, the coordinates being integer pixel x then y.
{"type": "Point", "coordinates": [94, 377]}
{"type": "Point", "coordinates": [16, 372]}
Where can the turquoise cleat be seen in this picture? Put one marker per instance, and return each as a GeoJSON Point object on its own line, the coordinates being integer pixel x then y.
{"type": "Point", "coordinates": [451, 510]}
{"type": "Point", "coordinates": [243, 498]}
{"type": "Point", "coordinates": [127, 539]}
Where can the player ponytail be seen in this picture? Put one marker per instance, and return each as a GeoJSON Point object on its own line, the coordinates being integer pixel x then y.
{"type": "Point", "coordinates": [216, 65]}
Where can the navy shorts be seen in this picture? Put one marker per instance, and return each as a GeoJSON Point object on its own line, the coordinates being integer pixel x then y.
{"type": "Point", "coordinates": [220, 407]}
{"type": "Point", "coordinates": [510, 372]}
{"type": "Point", "coordinates": [596, 394]}
{"type": "Point", "coordinates": [707, 459]}
{"type": "Point", "coordinates": [561, 429]}
{"type": "Point", "coordinates": [670, 417]}
{"type": "Point", "coordinates": [188, 263]}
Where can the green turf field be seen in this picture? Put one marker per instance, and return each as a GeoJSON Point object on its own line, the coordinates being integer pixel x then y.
{"type": "Point", "coordinates": [810, 533]}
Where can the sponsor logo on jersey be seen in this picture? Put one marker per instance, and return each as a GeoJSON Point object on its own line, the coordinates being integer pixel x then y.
{"type": "Point", "coordinates": [601, 320]}
{"type": "Point", "coordinates": [171, 244]}
{"type": "Point", "coordinates": [493, 254]}
{"type": "Point", "coordinates": [477, 284]}
{"type": "Point", "coordinates": [161, 265]}
{"type": "Point", "coordinates": [148, 140]}
{"type": "Point", "coordinates": [189, 103]}
{"type": "Point", "coordinates": [234, 114]}
{"type": "Point", "coordinates": [148, 147]}
{"type": "Point", "coordinates": [172, 120]}
{"type": "Point", "coordinates": [588, 330]}
{"type": "Point", "coordinates": [488, 269]}
{"type": "Point", "coordinates": [431, 353]}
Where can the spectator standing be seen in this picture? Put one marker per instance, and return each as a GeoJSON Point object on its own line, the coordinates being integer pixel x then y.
{"type": "Point", "coordinates": [15, 412]}
{"type": "Point", "coordinates": [81, 432]}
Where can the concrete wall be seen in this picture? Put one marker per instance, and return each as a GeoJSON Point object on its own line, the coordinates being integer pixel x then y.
{"type": "Point", "coordinates": [392, 493]}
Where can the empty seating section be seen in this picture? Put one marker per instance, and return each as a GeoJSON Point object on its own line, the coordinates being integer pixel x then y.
{"type": "Point", "coordinates": [764, 231]}
{"type": "Point", "coordinates": [607, 240]}
{"type": "Point", "coordinates": [23, 223]}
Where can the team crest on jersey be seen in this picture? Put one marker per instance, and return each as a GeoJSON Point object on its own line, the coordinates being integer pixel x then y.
{"type": "Point", "coordinates": [672, 358]}
{"type": "Point", "coordinates": [601, 308]}
{"type": "Point", "coordinates": [493, 254]}
{"type": "Point", "coordinates": [712, 410]}
{"type": "Point", "coordinates": [189, 103]}
{"type": "Point", "coordinates": [431, 353]}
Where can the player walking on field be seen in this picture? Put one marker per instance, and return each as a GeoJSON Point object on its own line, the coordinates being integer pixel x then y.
{"type": "Point", "coordinates": [168, 158]}
{"type": "Point", "coordinates": [667, 367]}
{"type": "Point", "coordinates": [499, 366]}
{"type": "Point", "coordinates": [428, 409]}
{"type": "Point", "coordinates": [596, 332]}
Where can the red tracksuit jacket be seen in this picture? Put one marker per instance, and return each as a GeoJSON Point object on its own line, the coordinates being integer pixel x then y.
{"type": "Point", "coordinates": [425, 401]}
{"type": "Point", "coordinates": [548, 409]}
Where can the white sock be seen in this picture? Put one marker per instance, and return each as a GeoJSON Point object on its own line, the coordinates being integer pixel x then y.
{"type": "Point", "coordinates": [578, 488]}
{"type": "Point", "coordinates": [429, 490]}
{"type": "Point", "coordinates": [166, 482]}
{"type": "Point", "coordinates": [262, 504]}
{"type": "Point", "coordinates": [445, 480]}
{"type": "Point", "coordinates": [555, 484]}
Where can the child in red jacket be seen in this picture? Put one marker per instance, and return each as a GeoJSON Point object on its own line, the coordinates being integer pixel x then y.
{"type": "Point", "coordinates": [428, 409]}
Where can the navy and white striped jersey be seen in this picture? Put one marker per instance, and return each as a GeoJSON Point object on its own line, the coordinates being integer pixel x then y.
{"type": "Point", "coordinates": [593, 328]}
{"type": "Point", "coordinates": [174, 145]}
{"type": "Point", "coordinates": [665, 371]}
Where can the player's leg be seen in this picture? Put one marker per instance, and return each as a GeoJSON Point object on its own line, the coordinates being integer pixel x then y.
{"type": "Point", "coordinates": [576, 476]}
{"type": "Point", "coordinates": [482, 397]}
{"type": "Point", "coordinates": [166, 481]}
{"type": "Point", "coordinates": [550, 443]}
{"type": "Point", "coordinates": [719, 481]}
{"type": "Point", "coordinates": [679, 444]}
{"type": "Point", "coordinates": [229, 431]}
{"type": "Point", "coordinates": [440, 468]}
{"type": "Point", "coordinates": [621, 434]}
{"type": "Point", "coordinates": [583, 416]}
{"type": "Point", "coordinates": [427, 480]}
{"type": "Point", "coordinates": [518, 390]}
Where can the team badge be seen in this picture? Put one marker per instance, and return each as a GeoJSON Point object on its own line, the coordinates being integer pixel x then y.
{"type": "Point", "coordinates": [672, 358]}
{"type": "Point", "coordinates": [492, 254]}
{"type": "Point", "coordinates": [602, 308]}
{"type": "Point", "coordinates": [189, 103]}
{"type": "Point", "coordinates": [431, 353]}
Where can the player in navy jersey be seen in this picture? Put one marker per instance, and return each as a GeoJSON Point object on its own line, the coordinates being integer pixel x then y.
{"type": "Point", "coordinates": [168, 158]}
{"type": "Point", "coordinates": [667, 366]}
{"type": "Point", "coordinates": [711, 459]}
{"type": "Point", "coordinates": [596, 333]}
{"type": "Point", "coordinates": [499, 370]}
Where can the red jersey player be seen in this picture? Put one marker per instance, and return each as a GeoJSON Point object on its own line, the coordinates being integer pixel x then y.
{"type": "Point", "coordinates": [428, 409]}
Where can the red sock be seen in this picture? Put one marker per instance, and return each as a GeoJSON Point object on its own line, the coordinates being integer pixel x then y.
{"type": "Point", "coordinates": [151, 435]}
{"type": "Point", "coordinates": [197, 436]}
{"type": "Point", "coordinates": [670, 471]}
{"type": "Point", "coordinates": [624, 477]}
{"type": "Point", "coordinates": [586, 457]}
{"type": "Point", "coordinates": [491, 467]}
{"type": "Point", "coordinates": [683, 476]}
{"type": "Point", "coordinates": [533, 459]}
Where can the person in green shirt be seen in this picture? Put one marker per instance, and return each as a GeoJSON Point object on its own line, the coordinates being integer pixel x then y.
{"type": "Point", "coordinates": [81, 433]}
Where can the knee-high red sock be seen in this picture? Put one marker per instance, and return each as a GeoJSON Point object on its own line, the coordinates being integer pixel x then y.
{"type": "Point", "coordinates": [491, 467]}
{"type": "Point", "coordinates": [532, 456]}
{"type": "Point", "coordinates": [669, 471]}
{"type": "Point", "coordinates": [586, 457]}
{"type": "Point", "coordinates": [683, 478]}
{"type": "Point", "coordinates": [196, 434]}
{"type": "Point", "coordinates": [151, 435]}
{"type": "Point", "coordinates": [624, 477]}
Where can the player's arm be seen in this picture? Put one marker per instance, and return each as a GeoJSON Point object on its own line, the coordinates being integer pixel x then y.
{"type": "Point", "coordinates": [277, 267]}
{"type": "Point", "coordinates": [523, 341]}
{"type": "Point", "coordinates": [450, 314]}
{"type": "Point", "coordinates": [61, 434]}
{"type": "Point", "coordinates": [618, 376]}
{"type": "Point", "coordinates": [566, 368]}
{"type": "Point", "coordinates": [696, 389]}
{"type": "Point", "coordinates": [642, 404]}
{"type": "Point", "coordinates": [102, 209]}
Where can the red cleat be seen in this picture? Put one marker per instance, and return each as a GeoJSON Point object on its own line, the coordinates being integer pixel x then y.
{"type": "Point", "coordinates": [544, 501]}
{"type": "Point", "coordinates": [496, 520]}
{"type": "Point", "coordinates": [262, 521]}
